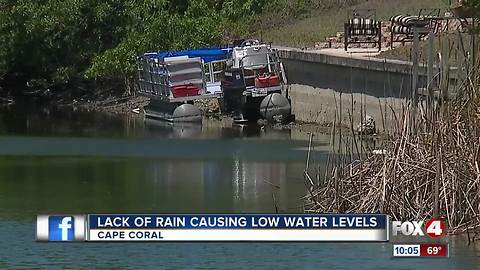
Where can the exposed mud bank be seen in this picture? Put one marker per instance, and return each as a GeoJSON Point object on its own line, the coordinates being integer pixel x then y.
{"type": "Point", "coordinates": [326, 106]}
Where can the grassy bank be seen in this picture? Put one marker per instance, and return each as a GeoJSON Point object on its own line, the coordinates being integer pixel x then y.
{"type": "Point", "coordinates": [322, 21]}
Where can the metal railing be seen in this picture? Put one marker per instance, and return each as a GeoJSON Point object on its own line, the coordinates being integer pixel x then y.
{"type": "Point", "coordinates": [273, 65]}
{"type": "Point", "coordinates": [152, 77]}
{"type": "Point", "coordinates": [213, 70]}
{"type": "Point", "coordinates": [154, 80]}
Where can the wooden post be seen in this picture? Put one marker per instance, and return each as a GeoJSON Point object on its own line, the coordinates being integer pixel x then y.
{"type": "Point", "coordinates": [380, 36]}
{"type": "Point", "coordinates": [430, 71]}
{"type": "Point", "coordinates": [445, 68]}
{"type": "Point", "coordinates": [346, 35]}
{"type": "Point", "coordinates": [391, 38]}
{"type": "Point", "coordinates": [414, 98]}
{"type": "Point", "coordinates": [473, 37]}
{"type": "Point", "coordinates": [415, 49]}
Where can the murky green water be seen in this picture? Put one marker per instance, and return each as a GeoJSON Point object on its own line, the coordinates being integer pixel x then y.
{"type": "Point", "coordinates": [68, 162]}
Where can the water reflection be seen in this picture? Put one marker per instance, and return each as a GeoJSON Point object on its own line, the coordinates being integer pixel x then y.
{"type": "Point", "coordinates": [70, 162]}
{"type": "Point", "coordinates": [177, 130]}
{"type": "Point", "coordinates": [44, 121]}
{"type": "Point", "coordinates": [228, 186]}
{"type": "Point", "coordinates": [213, 128]}
{"type": "Point", "coordinates": [89, 162]}
{"type": "Point", "coordinates": [32, 185]}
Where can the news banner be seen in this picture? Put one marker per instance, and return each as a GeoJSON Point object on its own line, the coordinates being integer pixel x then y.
{"type": "Point", "coordinates": [409, 238]}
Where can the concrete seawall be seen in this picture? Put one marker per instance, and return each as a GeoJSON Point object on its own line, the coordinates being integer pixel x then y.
{"type": "Point", "coordinates": [355, 60]}
{"type": "Point", "coordinates": [330, 85]}
{"type": "Point", "coordinates": [350, 73]}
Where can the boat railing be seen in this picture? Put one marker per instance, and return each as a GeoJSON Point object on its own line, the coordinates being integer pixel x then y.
{"type": "Point", "coordinates": [273, 65]}
{"type": "Point", "coordinates": [152, 77]}
{"type": "Point", "coordinates": [154, 80]}
{"type": "Point", "coordinates": [214, 70]}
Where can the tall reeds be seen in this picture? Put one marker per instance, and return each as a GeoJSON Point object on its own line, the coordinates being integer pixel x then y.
{"type": "Point", "coordinates": [428, 167]}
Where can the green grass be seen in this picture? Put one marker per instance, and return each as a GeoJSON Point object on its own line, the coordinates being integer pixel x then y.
{"type": "Point", "coordinates": [321, 23]}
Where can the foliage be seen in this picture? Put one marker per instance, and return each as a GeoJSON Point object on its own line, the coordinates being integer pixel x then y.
{"type": "Point", "coordinates": [54, 40]}
{"type": "Point", "coordinates": [61, 43]}
{"type": "Point", "coordinates": [51, 43]}
{"type": "Point", "coordinates": [474, 6]}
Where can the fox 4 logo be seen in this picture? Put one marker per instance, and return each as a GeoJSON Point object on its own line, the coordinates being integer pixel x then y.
{"type": "Point", "coordinates": [434, 228]}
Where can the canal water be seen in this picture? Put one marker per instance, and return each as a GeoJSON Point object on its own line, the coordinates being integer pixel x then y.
{"type": "Point", "coordinates": [75, 163]}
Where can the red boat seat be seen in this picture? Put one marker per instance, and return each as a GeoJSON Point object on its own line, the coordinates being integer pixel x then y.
{"type": "Point", "coordinates": [185, 91]}
{"type": "Point", "coordinates": [267, 81]}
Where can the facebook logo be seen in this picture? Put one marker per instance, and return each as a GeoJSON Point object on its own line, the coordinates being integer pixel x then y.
{"type": "Point", "coordinates": [61, 228]}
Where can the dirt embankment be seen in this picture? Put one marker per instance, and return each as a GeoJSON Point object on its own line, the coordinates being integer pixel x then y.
{"type": "Point", "coordinates": [115, 105]}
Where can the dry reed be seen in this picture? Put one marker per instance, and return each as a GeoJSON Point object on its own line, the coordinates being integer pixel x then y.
{"type": "Point", "coordinates": [429, 167]}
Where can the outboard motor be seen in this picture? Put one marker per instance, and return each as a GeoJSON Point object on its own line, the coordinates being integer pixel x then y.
{"type": "Point", "coordinates": [233, 86]}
